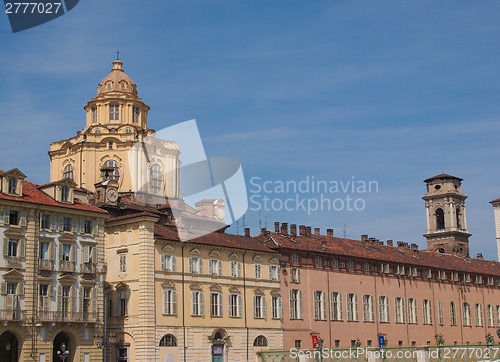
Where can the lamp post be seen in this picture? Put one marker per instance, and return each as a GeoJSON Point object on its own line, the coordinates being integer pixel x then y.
{"type": "Point", "coordinates": [63, 352]}
{"type": "Point", "coordinates": [105, 340]}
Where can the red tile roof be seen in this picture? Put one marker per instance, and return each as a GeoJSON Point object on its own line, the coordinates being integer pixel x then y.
{"type": "Point", "coordinates": [32, 195]}
{"type": "Point", "coordinates": [215, 239]}
{"type": "Point", "coordinates": [374, 251]}
{"type": "Point", "coordinates": [443, 176]}
{"type": "Point", "coordinates": [496, 200]}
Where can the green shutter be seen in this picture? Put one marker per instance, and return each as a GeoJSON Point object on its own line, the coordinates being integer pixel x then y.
{"type": "Point", "coordinates": [6, 216]}
{"type": "Point", "coordinates": [22, 248]}
{"type": "Point", "coordinates": [94, 254]}
{"type": "Point", "coordinates": [94, 302]}
{"type": "Point", "coordinates": [23, 218]}
{"type": "Point", "coordinates": [59, 299]}
{"type": "Point", "coordinates": [52, 250]}
{"type": "Point", "coordinates": [80, 300]}
{"type": "Point", "coordinates": [73, 253]}
{"type": "Point", "coordinates": [86, 253]}
{"type": "Point", "coordinates": [5, 247]}
{"type": "Point", "coordinates": [174, 302]}
{"type": "Point", "coordinates": [50, 291]}
{"type": "Point", "coordinates": [73, 295]}
{"type": "Point", "coordinates": [3, 288]}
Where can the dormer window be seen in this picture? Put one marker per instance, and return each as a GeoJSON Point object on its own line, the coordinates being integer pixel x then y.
{"type": "Point", "coordinates": [12, 185]}
{"type": "Point", "coordinates": [110, 145]}
{"type": "Point", "coordinates": [123, 86]}
{"type": "Point", "coordinates": [68, 172]}
{"type": "Point", "coordinates": [114, 112]}
{"type": "Point", "coordinates": [94, 114]}
{"type": "Point", "coordinates": [64, 193]}
{"type": "Point", "coordinates": [108, 86]}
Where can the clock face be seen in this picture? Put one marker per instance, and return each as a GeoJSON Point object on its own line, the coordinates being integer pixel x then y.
{"type": "Point", "coordinates": [219, 213]}
{"type": "Point", "coordinates": [112, 195]}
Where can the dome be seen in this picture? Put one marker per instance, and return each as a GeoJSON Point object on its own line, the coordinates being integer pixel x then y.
{"type": "Point", "coordinates": [117, 81]}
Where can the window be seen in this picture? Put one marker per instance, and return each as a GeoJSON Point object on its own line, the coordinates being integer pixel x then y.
{"type": "Point", "coordinates": [319, 305]}
{"type": "Point", "coordinates": [64, 193]}
{"type": "Point", "coordinates": [12, 250]}
{"type": "Point", "coordinates": [274, 272]}
{"type": "Point", "coordinates": [65, 301]}
{"type": "Point", "coordinates": [45, 221]}
{"type": "Point", "coordinates": [295, 304]}
{"type": "Point", "coordinates": [169, 302]}
{"type": "Point", "coordinates": [235, 269]}
{"type": "Point", "coordinates": [498, 315]}
{"type": "Point", "coordinates": [295, 258]}
{"type": "Point", "coordinates": [156, 179]}
{"type": "Point", "coordinates": [198, 307]}
{"type": "Point", "coordinates": [135, 114]}
{"type": "Point", "coordinates": [214, 267]}
{"type": "Point", "coordinates": [168, 340]}
{"type": "Point", "coordinates": [384, 309]}
{"type": "Point", "coordinates": [12, 185]}
{"type": "Point", "coordinates": [94, 114]}
{"type": "Point", "coordinates": [66, 224]}
{"type": "Point", "coordinates": [277, 306]}
{"type": "Point", "coordinates": [87, 226]}
{"type": "Point", "coordinates": [260, 341]}
{"type": "Point", "coordinates": [400, 270]}
{"type": "Point", "coordinates": [350, 265]}
{"type": "Point", "coordinates": [13, 217]}
{"type": "Point", "coordinates": [294, 275]}
{"type": "Point", "coordinates": [123, 263]}
{"type": "Point", "coordinates": [44, 250]}
{"type": "Point", "coordinates": [412, 271]}
{"type": "Point", "coordinates": [43, 300]}
{"type": "Point", "coordinates": [336, 308]}
{"type": "Point", "coordinates": [65, 252]}
{"type": "Point", "coordinates": [123, 304]}
{"type": "Point", "coordinates": [454, 277]}
{"type": "Point", "coordinates": [384, 268]}
{"type": "Point", "coordinates": [440, 312]}
{"type": "Point", "coordinates": [400, 311]}
{"type": "Point", "coordinates": [479, 279]}
{"type": "Point", "coordinates": [335, 263]}
{"type": "Point", "coordinates": [110, 145]}
{"type": "Point", "coordinates": [427, 311]}
{"type": "Point", "coordinates": [467, 278]}
{"type": "Point", "coordinates": [168, 262]}
{"type": "Point", "coordinates": [439, 219]}
{"type": "Point", "coordinates": [319, 261]}
{"type": "Point", "coordinates": [453, 314]}
{"type": "Point", "coordinates": [428, 273]}
{"type": "Point", "coordinates": [490, 315]}
{"type": "Point", "coordinates": [257, 270]}
{"type": "Point", "coordinates": [298, 343]}
{"type": "Point", "coordinates": [216, 304]}
{"type": "Point", "coordinates": [235, 305]}
{"type": "Point", "coordinates": [111, 170]}
{"type": "Point", "coordinates": [259, 306]}
{"type": "Point", "coordinates": [352, 307]}
{"type": "Point", "coordinates": [195, 265]}
{"type": "Point", "coordinates": [368, 310]}
{"type": "Point", "coordinates": [366, 267]}
{"type": "Point", "coordinates": [86, 302]}
{"type": "Point", "coordinates": [478, 312]}
{"type": "Point", "coordinates": [466, 314]}
{"type": "Point", "coordinates": [114, 112]}
{"type": "Point", "coordinates": [68, 172]}
{"type": "Point", "coordinates": [412, 311]}
{"type": "Point", "coordinates": [441, 275]}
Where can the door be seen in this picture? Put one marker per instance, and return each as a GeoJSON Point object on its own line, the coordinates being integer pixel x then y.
{"type": "Point", "coordinates": [218, 353]}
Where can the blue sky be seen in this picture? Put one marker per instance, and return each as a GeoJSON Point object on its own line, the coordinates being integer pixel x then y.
{"type": "Point", "coordinates": [387, 91]}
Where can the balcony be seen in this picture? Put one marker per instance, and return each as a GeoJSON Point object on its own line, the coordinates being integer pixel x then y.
{"type": "Point", "coordinates": [73, 317]}
{"type": "Point", "coordinates": [11, 314]}
{"type": "Point", "coordinates": [88, 268]}
{"type": "Point", "coordinates": [66, 266]}
{"type": "Point", "coordinates": [45, 264]}
{"type": "Point", "coordinates": [13, 261]}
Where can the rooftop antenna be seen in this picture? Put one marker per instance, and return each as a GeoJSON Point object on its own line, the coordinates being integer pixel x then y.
{"type": "Point", "coordinates": [265, 223]}
{"type": "Point", "coordinates": [238, 227]}
{"type": "Point", "coordinates": [344, 231]}
{"type": "Point", "coordinates": [243, 222]}
{"type": "Point", "coordinates": [118, 54]}
{"type": "Point", "coordinates": [260, 220]}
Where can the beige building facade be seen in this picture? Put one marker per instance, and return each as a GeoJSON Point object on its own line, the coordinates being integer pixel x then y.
{"type": "Point", "coordinates": [52, 256]}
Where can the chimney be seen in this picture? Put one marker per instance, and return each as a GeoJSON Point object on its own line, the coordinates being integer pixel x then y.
{"type": "Point", "coordinates": [276, 227]}
{"type": "Point", "coordinates": [302, 229]}
{"type": "Point", "coordinates": [380, 242]}
{"type": "Point", "coordinates": [316, 231]}
{"type": "Point", "coordinates": [284, 228]}
{"type": "Point", "coordinates": [414, 247]}
{"type": "Point", "coordinates": [329, 233]}
{"type": "Point", "coordinates": [293, 229]}
{"type": "Point", "coordinates": [390, 243]}
{"type": "Point", "coordinates": [406, 246]}
{"type": "Point", "coordinates": [364, 238]}
{"type": "Point", "coordinates": [263, 230]}
{"type": "Point", "coordinates": [400, 244]}
{"type": "Point", "coordinates": [308, 231]}
{"type": "Point", "coordinates": [247, 232]}
{"type": "Point", "coordinates": [480, 256]}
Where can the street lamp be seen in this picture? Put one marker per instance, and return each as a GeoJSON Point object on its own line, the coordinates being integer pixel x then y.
{"type": "Point", "coordinates": [103, 342]}
{"type": "Point", "coordinates": [63, 352]}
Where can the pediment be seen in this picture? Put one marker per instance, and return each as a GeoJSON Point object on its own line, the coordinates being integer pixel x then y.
{"type": "Point", "coordinates": [88, 282]}
{"type": "Point", "coordinates": [67, 238]}
{"type": "Point", "coordinates": [259, 291]}
{"type": "Point", "coordinates": [195, 286]}
{"type": "Point", "coordinates": [14, 172]}
{"type": "Point", "coordinates": [45, 279]}
{"type": "Point", "coordinates": [214, 253]}
{"type": "Point", "coordinates": [121, 285]}
{"type": "Point", "coordinates": [195, 251]}
{"type": "Point", "coordinates": [13, 275]}
{"type": "Point", "coordinates": [275, 292]}
{"type": "Point", "coordinates": [234, 290]}
{"type": "Point", "coordinates": [274, 261]}
{"type": "Point", "coordinates": [257, 258]}
{"type": "Point", "coordinates": [67, 279]}
{"type": "Point", "coordinates": [215, 288]}
{"type": "Point", "coordinates": [168, 285]}
{"type": "Point", "coordinates": [168, 248]}
{"type": "Point", "coordinates": [66, 182]}
{"type": "Point", "coordinates": [14, 232]}
{"type": "Point", "coordinates": [233, 256]}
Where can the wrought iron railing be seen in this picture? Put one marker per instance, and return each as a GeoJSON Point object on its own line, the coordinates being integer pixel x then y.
{"type": "Point", "coordinates": [50, 316]}
{"type": "Point", "coordinates": [45, 264]}
{"type": "Point", "coordinates": [11, 314]}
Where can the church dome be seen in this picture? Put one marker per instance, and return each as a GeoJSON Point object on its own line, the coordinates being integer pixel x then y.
{"type": "Point", "coordinates": [117, 81]}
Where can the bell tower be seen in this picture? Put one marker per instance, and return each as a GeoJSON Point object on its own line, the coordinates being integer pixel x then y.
{"type": "Point", "coordinates": [446, 221]}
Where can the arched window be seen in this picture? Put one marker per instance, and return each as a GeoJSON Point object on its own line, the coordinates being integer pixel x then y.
{"type": "Point", "coordinates": [439, 219]}
{"type": "Point", "coordinates": [114, 174]}
{"type": "Point", "coordinates": [12, 185]}
{"type": "Point", "coordinates": [260, 341]}
{"type": "Point", "coordinates": [458, 218]}
{"type": "Point", "coordinates": [168, 340]}
{"type": "Point", "coordinates": [155, 179]}
{"type": "Point", "coordinates": [64, 193]}
{"type": "Point", "coordinates": [68, 172]}
{"type": "Point", "coordinates": [128, 130]}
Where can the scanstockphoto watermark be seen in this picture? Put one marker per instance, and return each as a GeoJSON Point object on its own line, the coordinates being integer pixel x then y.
{"type": "Point", "coordinates": [310, 194]}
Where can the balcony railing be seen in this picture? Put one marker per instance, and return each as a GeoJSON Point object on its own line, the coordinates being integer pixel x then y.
{"type": "Point", "coordinates": [49, 316]}
{"type": "Point", "coordinates": [68, 266]}
{"type": "Point", "coordinates": [13, 261]}
{"type": "Point", "coordinates": [45, 264]}
{"type": "Point", "coordinates": [11, 314]}
{"type": "Point", "coordinates": [88, 268]}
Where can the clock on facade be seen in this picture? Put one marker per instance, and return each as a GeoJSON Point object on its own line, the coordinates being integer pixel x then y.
{"type": "Point", "coordinates": [112, 195]}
